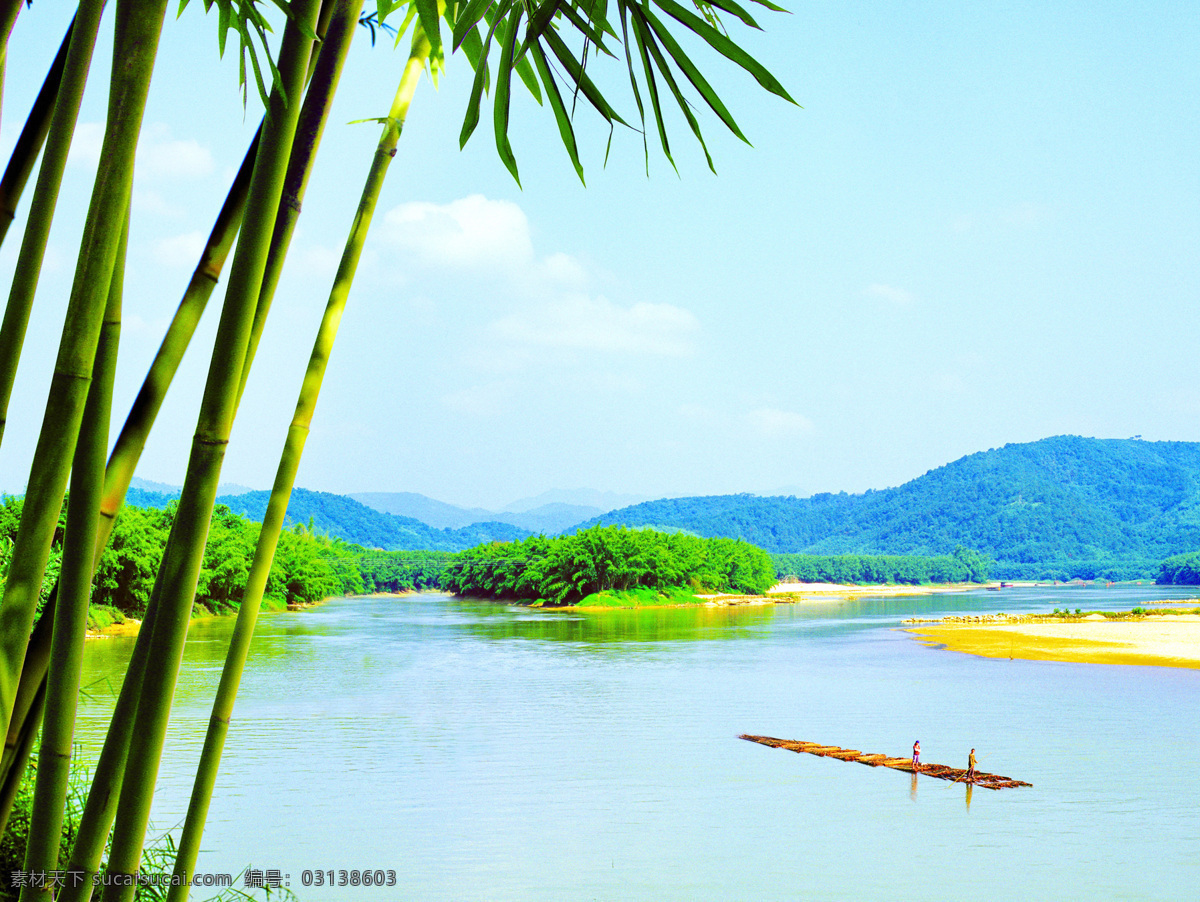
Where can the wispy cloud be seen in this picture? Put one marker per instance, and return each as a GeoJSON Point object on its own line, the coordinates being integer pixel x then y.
{"type": "Point", "coordinates": [180, 251]}
{"type": "Point", "coordinates": [901, 297]}
{"type": "Point", "coordinates": [553, 305]}
{"type": "Point", "coordinates": [770, 422]}
{"type": "Point", "coordinates": [472, 232]}
{"type": "Point", "coordinates": [579, 322]}
{"type": "Point", "coordinates": [160, 156]}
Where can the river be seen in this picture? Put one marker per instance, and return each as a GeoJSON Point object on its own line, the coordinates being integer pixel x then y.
{"type": "Point", "coordinates": [487, 752]}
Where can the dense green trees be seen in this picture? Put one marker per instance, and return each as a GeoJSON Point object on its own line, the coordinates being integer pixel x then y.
{"type": "Point", "coordinates": [1180, 570]}
{"type": "Point", "coordinates": [307, 567]}
{"type": "Point", "coordinates": [566, 569]}
{"type": "Point", "coordinates": [964, 566]}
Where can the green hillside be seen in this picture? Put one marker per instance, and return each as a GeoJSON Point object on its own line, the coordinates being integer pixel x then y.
{"type": "Point", "coordinates": [1062, 507]}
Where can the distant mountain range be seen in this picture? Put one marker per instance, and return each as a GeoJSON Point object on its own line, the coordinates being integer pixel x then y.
{"type": "Point", "coordinates": [391, 519]}
{"type": "Point", "coordinates": [342, 516]}
{"type": "Point", "coordinates": [1059, 501]}
{"type": "Point", "coordinates": [548, 518]}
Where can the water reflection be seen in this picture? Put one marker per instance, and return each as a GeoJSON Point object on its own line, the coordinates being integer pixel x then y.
{"type": "Point", "coordinates": [970, 788]}
{"type": "Point", "coordinates": [912, 792]}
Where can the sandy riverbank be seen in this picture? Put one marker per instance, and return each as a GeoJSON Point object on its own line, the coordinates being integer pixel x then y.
{"type": "Point", "coordinates": [1159, 641]}
{"type": "Point", "coordinates": [837, 590]}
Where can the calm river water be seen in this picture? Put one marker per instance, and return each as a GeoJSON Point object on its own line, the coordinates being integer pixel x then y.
{"type": "Point", "coordinates": [487, 752]}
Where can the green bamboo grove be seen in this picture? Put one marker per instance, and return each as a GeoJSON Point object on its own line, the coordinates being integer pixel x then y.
{"type": "Point", "coordinates": [568, 569]}
{"type": "Point", "coordinates": [55, 566]}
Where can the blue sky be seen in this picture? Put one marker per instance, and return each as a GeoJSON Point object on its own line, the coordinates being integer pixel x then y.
{"type": "Point", "coordinates": [982, 226]}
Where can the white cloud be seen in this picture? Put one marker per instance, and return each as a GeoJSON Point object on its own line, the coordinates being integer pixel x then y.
{"type": "Point", "coordinates": [893, 295]}
{"type": "Point", "coordinates": [472, 232]}
{"type": "Point", "coordinates": [316, 260]}
{"type": "Point", "coordinates": [772, 423]}
{"type": "Point", "coordinates": [161, 156]}
{"type": "Point", "coordinates": [86, 143]}
{"type": "Point", "coordinates": [579, 322]}
{"type": "Point", "coordinates": [152, 202]}
{"type": "Point", "coordinates": [554, 308]}
{"type": "Point", "coordinates": [180, 250]}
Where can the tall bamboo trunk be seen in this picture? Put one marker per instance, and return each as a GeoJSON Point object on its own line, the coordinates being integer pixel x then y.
{"type": "Point", "coordinates": [189, 843]}
{"type": "Point", "coordinates": [128, 448]}
{"type": "Point", "coordinates": [313, 116]}
{"type": "Point", "coordinates": [312, 119]}
{"type": "Point", "coordinates": [132, 439]}
{"type": "Point", "coordinates": [74, 591]}
{"type": "Point", "coordinates": [32, 137]}
{"type": "Point", "coordinates": [61, 128]}
{"type": "Point", "coordinates": [99, 810]}
{"type": "Point", "coordinates": [8, 16]}
{"type": "Point", "coordinates": [138, 25]}
{"type": "Point", "coordinates": [181, 563]}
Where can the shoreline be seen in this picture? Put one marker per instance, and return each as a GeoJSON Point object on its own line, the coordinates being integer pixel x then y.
{"type": "Point", "coordinates": [1152, 640]}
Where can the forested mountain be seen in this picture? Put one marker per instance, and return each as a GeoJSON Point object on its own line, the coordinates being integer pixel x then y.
{"type": "Point", "coordinates": [1060, 506]}
{"type": "Point", "coordinates": [345, 518]}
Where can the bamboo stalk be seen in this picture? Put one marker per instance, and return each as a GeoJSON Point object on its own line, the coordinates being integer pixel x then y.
{"type": "Point", "coordinates": [132, 440]}
{"type": "Point", "coordinates": [313, 116]}
{"type": "Point", "coordinates": [181, 564]}
{"type": "Point", "coordinates": [222, 712]}
{"type": "Point", "coordinates": [74, 590]}
{"type": "Point", "coordinates": [32, 137]}
{"type": "Point", "coordinates": [37, 657]}
{"type": "Point", "coordinates": [61, 128]}
{"type": "Point", "coordinates": [21, 752]}
{"type": "Point", "coordinates": [100, 807]}
{"type": "Point", "coordinates": [138, 25]}
{"type": "Point", "coordinates": [8, 16]}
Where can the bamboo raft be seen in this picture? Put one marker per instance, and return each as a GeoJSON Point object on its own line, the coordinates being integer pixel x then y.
{"type": "Point", "coordinates": [940, 771]}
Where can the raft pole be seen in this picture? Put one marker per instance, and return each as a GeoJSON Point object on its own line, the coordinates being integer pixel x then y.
{"type": "Point", "coordinates": [940, 771]}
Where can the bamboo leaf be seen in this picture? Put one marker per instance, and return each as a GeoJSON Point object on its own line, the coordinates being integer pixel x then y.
{"type": "Point", "coordinates": [656, 53]}
{"type": "Point", "coordinates": [596, 36]}
{"type": "Point", "coordinates": [724, 46]}
{"type": "Point", "coordinates": [595, 10]}
{"type": "Point", "coordinates": [471, 119]}
{"type": "Point", "coordinates": [539, 20]}
{"type": "Point", "coordinates": [431, 21]}
{"type": "Point", "coordinates": [652, 86]}
{"type": "Point", "coordinates": [580, 78]}
{"type": "Point", "coordinates": [503, 90]}
{"type": "Point", "coordinates": [472, 46]}
{"type": "Point", "coordinates": [525, 70]}
{"type": "Point", "coordinates": [560, 111]}
{"type": "Point", "coordinates": [466, 21]}
{"type": "Point", "coordinates": [693, 74]}
{"type": "Point", "coordinates": [623, 8]}
{"type": "Point", "coordinates": [733, 9]}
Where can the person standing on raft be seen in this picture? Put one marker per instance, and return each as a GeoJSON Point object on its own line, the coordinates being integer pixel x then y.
{"type": "Point", "coordinates": [971, 767]}
{"type": "Point", "coordinates": [916, 756]}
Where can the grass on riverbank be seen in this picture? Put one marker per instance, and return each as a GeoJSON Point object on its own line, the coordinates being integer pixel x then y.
{"type": "Point", "coordinates": [639, 598]}
{"type": "Point", "coordinates": [106, 620]}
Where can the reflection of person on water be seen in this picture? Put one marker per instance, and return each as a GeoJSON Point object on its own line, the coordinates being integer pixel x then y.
{"type": "Point", "coordinates": [916, 756]}
{"type": "Point", "coordinates": [971, 766]}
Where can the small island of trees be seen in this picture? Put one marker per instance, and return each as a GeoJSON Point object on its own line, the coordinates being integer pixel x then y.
{"type": "Point", "coordinates": [607, 559]}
